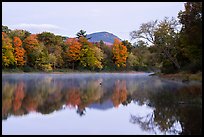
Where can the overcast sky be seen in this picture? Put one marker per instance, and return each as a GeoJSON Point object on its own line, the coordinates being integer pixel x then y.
{"type": "Point", "coordinates": [119, 18]}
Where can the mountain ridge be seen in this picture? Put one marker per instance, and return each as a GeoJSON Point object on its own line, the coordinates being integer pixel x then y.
{"type": "Point", "coordinates": [105, 36]}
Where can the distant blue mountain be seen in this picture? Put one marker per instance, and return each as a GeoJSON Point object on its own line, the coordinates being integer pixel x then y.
{"type": "Point", "coordinates": [104, 36]}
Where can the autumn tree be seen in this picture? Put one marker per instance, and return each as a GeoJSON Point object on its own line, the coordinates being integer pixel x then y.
{"type": "Point", "coordinates": [90, 56]}
{"type": "Point", "coordinates": [31, 44]}
{"type": "Point", "coordinates": [19, 51]}
{"type": "Point", "coordinates": [7, 51]}
{"type": "Point", "coordinates": [74, 49]}
{"type": "Point", "coordinates": [48, 39]}
{"type": "Point", "coordinates": [22, 34]}
{"type": "Point", "coordinates": [119, 53]}
{"type": "Point", "coordinates": [37, 54]}
{"type": "Point", "coordinates": [44, 61]}
{"type": "Point", "coordinates": [53, 44]}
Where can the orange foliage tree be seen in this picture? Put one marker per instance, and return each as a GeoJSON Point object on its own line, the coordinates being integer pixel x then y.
{"type": "Point", "coordinates": [119, 53]}
{"type": "Point", "coordinates": [19, 51]}
{"type": "Point", "coordinates": [31, 41]}
{"type": "Point", "coordinates": [33, 49]}
{"type": "Point", "coordinates": [74, 49]}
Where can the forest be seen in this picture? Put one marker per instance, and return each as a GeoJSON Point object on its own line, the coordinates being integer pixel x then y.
{"type": "Point", "coordinates": [169, 45]}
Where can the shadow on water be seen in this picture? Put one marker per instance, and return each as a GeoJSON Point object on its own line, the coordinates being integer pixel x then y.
{"type": "Point", "coordinates": [177, 107]}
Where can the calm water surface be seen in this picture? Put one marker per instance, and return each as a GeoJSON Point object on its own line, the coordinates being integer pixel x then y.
{"type": "Point", "coordinates": [99, 104]}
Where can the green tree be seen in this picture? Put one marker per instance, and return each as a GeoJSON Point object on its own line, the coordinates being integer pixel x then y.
{"type": "Point", "coordinates": [142, 56]}
{"type": "Point", "coordinates": [164, 35]}
{"type": "Point", "coordinates": [6, 29]}
{"type": "Point", "coordinates": [191, 34]}
{"type": "Point", "coordinates": [107, 56]}
{"type": "Point", "coordinates": [132, 61]}
{"type": "Point", "coordinates": [127, 44]}
{"type": "Point", "coordinates": [82, 33]}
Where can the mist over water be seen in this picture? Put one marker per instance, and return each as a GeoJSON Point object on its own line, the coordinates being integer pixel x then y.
{"type": "Point", "coordinates": [99, 103]}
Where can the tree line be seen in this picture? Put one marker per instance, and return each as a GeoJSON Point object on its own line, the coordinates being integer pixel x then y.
{"type": "Point", "coordinates": [170, 45]}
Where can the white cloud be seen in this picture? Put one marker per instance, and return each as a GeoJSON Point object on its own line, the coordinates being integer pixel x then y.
{"type": "Point", "coordinates": [35, 28]}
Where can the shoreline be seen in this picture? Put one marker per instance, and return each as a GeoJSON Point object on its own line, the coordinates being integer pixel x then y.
{"type": "Point", "coordinates": [73, 72]}
{"type": "Point", "coordinates": [182, 77]}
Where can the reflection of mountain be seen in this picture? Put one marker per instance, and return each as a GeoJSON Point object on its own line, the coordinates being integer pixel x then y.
{"type": "Point", "coordinates": [102, 106]}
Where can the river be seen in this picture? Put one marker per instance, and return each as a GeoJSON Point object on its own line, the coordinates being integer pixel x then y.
{"type": "Point", "coordinates": [99, 103]}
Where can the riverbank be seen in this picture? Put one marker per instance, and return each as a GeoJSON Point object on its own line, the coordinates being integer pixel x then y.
{"type": "Point", "coordinates": [61, 71]}
{"type": "Point", "coordinates": [182, 76]}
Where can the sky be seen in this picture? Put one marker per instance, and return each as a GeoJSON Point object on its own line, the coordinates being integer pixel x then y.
{"type": "Point", "coordinates": [67, 18]}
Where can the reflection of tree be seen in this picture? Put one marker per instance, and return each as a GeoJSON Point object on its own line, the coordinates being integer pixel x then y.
{"type": "Point", "coordinates": [86, 93]}
{"type": "Point", "coordinates": [171, 105]}
{"type": "Point", "coordinates": [191, 120]}
{"type": "Point", "coordinates": [168, 112]}
{"type": "Point", "coordinates": [19, 94]}
{"type": "Point", "coordinates": [73, 97]}
{"type": "Point", "coordinates": [120, 93]}
{"type": "Point", "coordinates": [91, 92]}
{"type": "Point", "coordinates": [31, 103]}
{"type": "Point", "coordinates": [128, 100]}
{"type": "Point", "coordinates": [53, 100]}
{"type": "Point", "coordinates": [7, 96]}
{"type": "Point", "coordinates": [81, 111]}
{"type": "Point", "coordinates": [146, 123]}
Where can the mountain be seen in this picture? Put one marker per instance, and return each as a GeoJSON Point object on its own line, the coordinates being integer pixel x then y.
{"type": "Point", "coordinates": [107, 37]}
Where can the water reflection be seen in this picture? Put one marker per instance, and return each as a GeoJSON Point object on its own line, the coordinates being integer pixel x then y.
{"type": "Point", "coordinates": [176, 107]}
